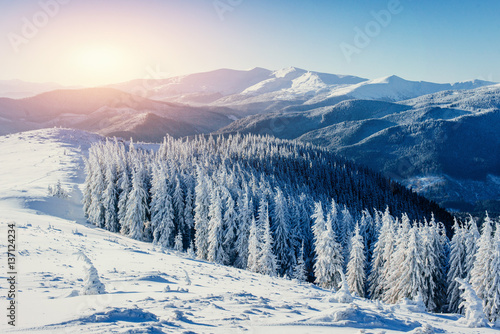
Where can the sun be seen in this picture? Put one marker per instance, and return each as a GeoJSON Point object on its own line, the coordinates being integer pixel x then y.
{"type": "Point", "coordinates": [98, 59]}
{"type": "Point", "coordinates": [101, 64]}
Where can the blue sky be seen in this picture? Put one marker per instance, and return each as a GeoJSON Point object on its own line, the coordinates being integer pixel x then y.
{"type": "Point", "coordinates": [89, 42]}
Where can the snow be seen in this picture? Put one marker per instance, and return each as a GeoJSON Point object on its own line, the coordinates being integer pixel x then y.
{"type": "Point", "coordinates": [148, 289]}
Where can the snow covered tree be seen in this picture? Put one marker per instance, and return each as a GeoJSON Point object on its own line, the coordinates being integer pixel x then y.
{"type": "Point", "coordinates": [434, 263]}
{"type": "Point", "coordinates": [473, 306]}
{"type": "Point", "coordinates": [202, 204]}
{"type": "Point", "coordinates": [178, 202]}
{"type": "Point", "coordinates": [110, 200]}
{"type": "Point", "coordinates": [481, 276]}
{"type": "Point", "coordinates": [381, 252]}
{"type": "Point", "coordinates": [408, 277]}
{"type": "Point", "coordinates": [343, 295]}
{"type": "Point", "coordinates": [137, 205]}
{"type": "Point", "coordinates": [244, 218]}
{"type": "Point", "coordinates": [283, 249]}
{"type": "Point", "coordinates": [162, 211]}
{"type": "Point", "coordinates": [346, 233]}
{"type": "Point", "coordinates": [253, 247]}
{"type": "Point", "coordinates": [96, 210]}
{"type": "Point", "coordinates": [188, 217]}
{"type": "Point", "coordinates": [267, 262]}
{"type": "Point", "coordinates": [299, 271]}
{"type": "Point", "coordinates": [329, 260]}
{"type": "Point", "coordinates": [92, 285]}
{"type": "Point", "coordinates": [178, 246]}
{"type": "Point", "coordinates": [124, 187]}
{"type": "Point", "coordinates": [230, 228]}
{"type": "Point", "coordinates": [389, 246]}
{"type": "Point", "coordinates": [472, 236]}
{"type": "Point", "coordinates": [457, 268]}
{"type": "Point", "coordinates": [216, 252]}
{"type": "Point", "coordinates": [356, 267]}
{"type": "Point", "coordinates": [492, 305]}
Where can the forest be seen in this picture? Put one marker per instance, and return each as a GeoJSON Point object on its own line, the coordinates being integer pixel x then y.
{"type": "Point", "coordinates": [290, 209]}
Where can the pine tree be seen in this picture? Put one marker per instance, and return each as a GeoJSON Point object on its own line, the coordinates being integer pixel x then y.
{"type": "Point", "coordinates": [178, 246]}
{"type": "Point", "coordinates": [356, 267]}
{"type": "Point", "coordinates": [481, 275]}
{"type": "Point", "coordinates": [244, 217]}
{"type": "Point", "coordinates": [230, 228]}
{"type": "Point", "coordinates": [216, 252]}
{"type": "Point", "coordinates": [267, 262]}
{"type": "Point", "coordinates": [92, 285]}
{"type": "Point", "coordinates": [178, 202]}
{"type": "Point", "coordinates": [346, 233]}
{"type": "Point", "coordinates": [381, 252]}
{"type": "Point", "coordinates": [137, 206]}
{"type": "Point", "coordinates": [457, 268]}
{"type": "Point", "coordinates": [282, 239]}
{"type": "Point", "coordinates": [202, 204]}
{"type": "Point", "coordinates": [473, 306]}
{"type": "Point", "coordinates": [472, 236]}
{"type": "Point", "coordinates": [389, 246]}
{"type": "Point", "coordinates": [124, 188]}
{"type": "Point", "coordinates": [162, 211]}
{"type": "Point", "coordinates": [329, 260]}
{"type": "Point", "coordinates": [408, 278]}
{"type": "Point", "coordinates": [96, 210]}
{"type": "Point", "coordinates": [253, 247]}
{"type": "Point", "coordinates": [110, 200]}
{"type": "Point", "coordinates": [299, 271]}
{"type": "Point", "coordinates": [492, 304]}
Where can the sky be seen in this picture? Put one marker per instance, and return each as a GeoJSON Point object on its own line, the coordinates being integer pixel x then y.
{"type": "Point", "coordinates": [95, 42]}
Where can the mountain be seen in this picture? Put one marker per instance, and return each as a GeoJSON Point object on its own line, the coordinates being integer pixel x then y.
{"type": "Point", "coordinates": [443, 145]}
{"type": "Point", "coordinates": [197, 103]}
{"type": "Point", "coordinates": [250, 92]}
{"type": "Point", "coordinates": [150, 289]}
{"type": "Point", "coordinates": [394, 88]}
{"type": "Point", "coordinates": [18, 89]}
{"type": "Point", "coordinates": [290, 89]}
{"type": "Point", "coordinates": [109, 112]}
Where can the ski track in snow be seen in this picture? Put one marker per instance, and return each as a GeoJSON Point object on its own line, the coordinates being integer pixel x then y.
{"type": "Point", "coordinates": [150, 290]}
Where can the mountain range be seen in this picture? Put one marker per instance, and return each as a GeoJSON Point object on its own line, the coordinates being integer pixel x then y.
{"type": "Point", "coordinates": [439, 139]}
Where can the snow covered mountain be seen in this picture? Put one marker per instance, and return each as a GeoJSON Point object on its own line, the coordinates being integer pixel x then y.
{"type": "Point", "coordinates": [394, 88]}
{"type": "Point", "coordinates": [260, 90]}
{"type": "Point", "coordinates": [196, 103]}
{"type": "Point", "coordinates": [149, 289]}
{"type": "Point", "coordinates": [450, 137]}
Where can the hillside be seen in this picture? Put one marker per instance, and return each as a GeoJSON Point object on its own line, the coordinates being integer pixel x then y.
{"type": "Point", "coordinates": [447, 136]}
{"type": "Point", "coordinates": [149, 289]}
{"type": "Point", "coordinates": [109, 112]}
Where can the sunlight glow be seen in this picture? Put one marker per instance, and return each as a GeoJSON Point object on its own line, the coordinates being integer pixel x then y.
{"type": "Point", "coordinates": [101, 64]}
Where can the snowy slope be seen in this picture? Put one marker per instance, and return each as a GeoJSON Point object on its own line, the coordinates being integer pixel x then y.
{"type": "Point", "coordinates": [394, 88]}
{"type": "Point", "coordinates": [150, 290]}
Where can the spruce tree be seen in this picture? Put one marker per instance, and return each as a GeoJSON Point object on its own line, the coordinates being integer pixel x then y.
{"type": "Point", "coordinates": [202, 204]}
{"type": "Point", "coordinates": [356, 275]}
{"type": "Point", "coordinates": [457, 268]}
{"type": "Point", "coordinates": [216, 251]}
{"type": "Point", "coordinates": [283, 249]}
